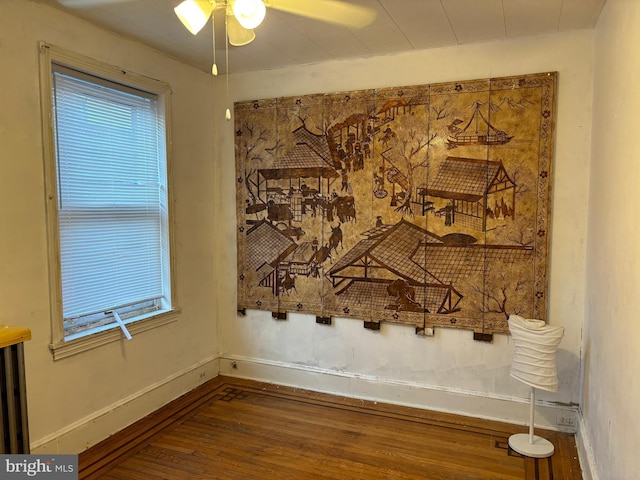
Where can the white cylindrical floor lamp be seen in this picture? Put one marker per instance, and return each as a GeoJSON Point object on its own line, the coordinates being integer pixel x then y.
{"type": "Point", "coordinates": [534, 363]}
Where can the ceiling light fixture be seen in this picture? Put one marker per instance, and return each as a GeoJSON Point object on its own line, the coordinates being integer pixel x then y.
{"type": "Point", "coordinates": [249, 13]}
{"type": "Point", "coordinates": [238, 36]}
{"type": "Point", "coordinates": [194, 14]}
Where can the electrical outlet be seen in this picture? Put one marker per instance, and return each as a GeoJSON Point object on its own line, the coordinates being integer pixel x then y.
{"type": "Point", "coordinates": [566, 419]}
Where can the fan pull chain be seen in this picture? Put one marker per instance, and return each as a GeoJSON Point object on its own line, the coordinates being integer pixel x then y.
{"type": "Point", "coordinates": [214, 68]}
{"type": "Point", "coordinates": [227, 114]}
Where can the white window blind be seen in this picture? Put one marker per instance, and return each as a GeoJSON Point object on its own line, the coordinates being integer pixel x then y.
{"type": "Point", "coordinates": [112, 200]}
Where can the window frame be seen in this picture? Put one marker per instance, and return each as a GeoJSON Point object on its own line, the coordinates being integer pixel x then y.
{"type": "Point", "coordinates": [61, 348]}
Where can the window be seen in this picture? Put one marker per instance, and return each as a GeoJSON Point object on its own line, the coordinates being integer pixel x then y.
{"type": "Point", "coordinates": [108, 203]}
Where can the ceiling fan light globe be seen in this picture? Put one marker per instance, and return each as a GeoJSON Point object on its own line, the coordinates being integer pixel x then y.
{"type": "Point", "coordinates": [238, 36]}
{"type": "Point", "coordinates": [194, 14]}
{"type": "Point", "coordinates": [249, 13]}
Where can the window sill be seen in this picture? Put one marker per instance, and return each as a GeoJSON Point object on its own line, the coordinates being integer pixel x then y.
{"type": "Point", "coordinates": [69, 348]}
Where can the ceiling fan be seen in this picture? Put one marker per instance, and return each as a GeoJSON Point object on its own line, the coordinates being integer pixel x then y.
{"type": "Point", "coordinates": [243, 16]}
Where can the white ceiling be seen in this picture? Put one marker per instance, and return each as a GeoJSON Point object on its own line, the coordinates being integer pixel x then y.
{"type": "Point", "coordinates": [284, 39]}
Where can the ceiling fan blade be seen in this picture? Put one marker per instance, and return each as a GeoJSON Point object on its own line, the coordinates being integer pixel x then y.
{"type": "Point", "coordinates": [88, 3]}
{"type": "Point", "coordinates": [332, 11]}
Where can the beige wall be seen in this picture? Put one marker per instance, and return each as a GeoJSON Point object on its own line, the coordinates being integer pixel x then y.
{"type": "Point", "coordinates": [98, 392]}
{"type": "Point", "coordinates": [612, 328]}
{"type": "Point", "coordinates": [449, 371]}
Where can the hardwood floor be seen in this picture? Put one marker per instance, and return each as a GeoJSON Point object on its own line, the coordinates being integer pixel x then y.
{"type": "Point", "coordinates": [237, 429]}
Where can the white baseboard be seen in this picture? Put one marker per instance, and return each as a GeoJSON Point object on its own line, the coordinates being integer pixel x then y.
{"type": "Point", "coordinates": [411, 394]}
{"type": "Point", "coordinates": [585, 451]}
{"type": "Point", "coordinates": [94, 428]}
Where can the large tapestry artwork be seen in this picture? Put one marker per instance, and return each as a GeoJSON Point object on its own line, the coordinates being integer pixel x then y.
{"type": "Point", "coordinates": [422, 205]}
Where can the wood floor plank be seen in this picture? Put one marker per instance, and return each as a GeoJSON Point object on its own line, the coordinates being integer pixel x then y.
{"type": "Point", "coordinates": [240, 429]}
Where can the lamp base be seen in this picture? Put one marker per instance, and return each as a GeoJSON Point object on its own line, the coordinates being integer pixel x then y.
{"type": "Point", "coordinates": [540, 448]}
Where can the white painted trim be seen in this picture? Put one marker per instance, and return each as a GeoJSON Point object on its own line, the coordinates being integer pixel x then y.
{"type": "Point", "coordinates": [111, 333]}
{"type": "Point", "coordinates": [88, 431]}
{"type": "Point", "coordinates": [497, 407]}
{"type": "Point", "coordinates": [585, 451]}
